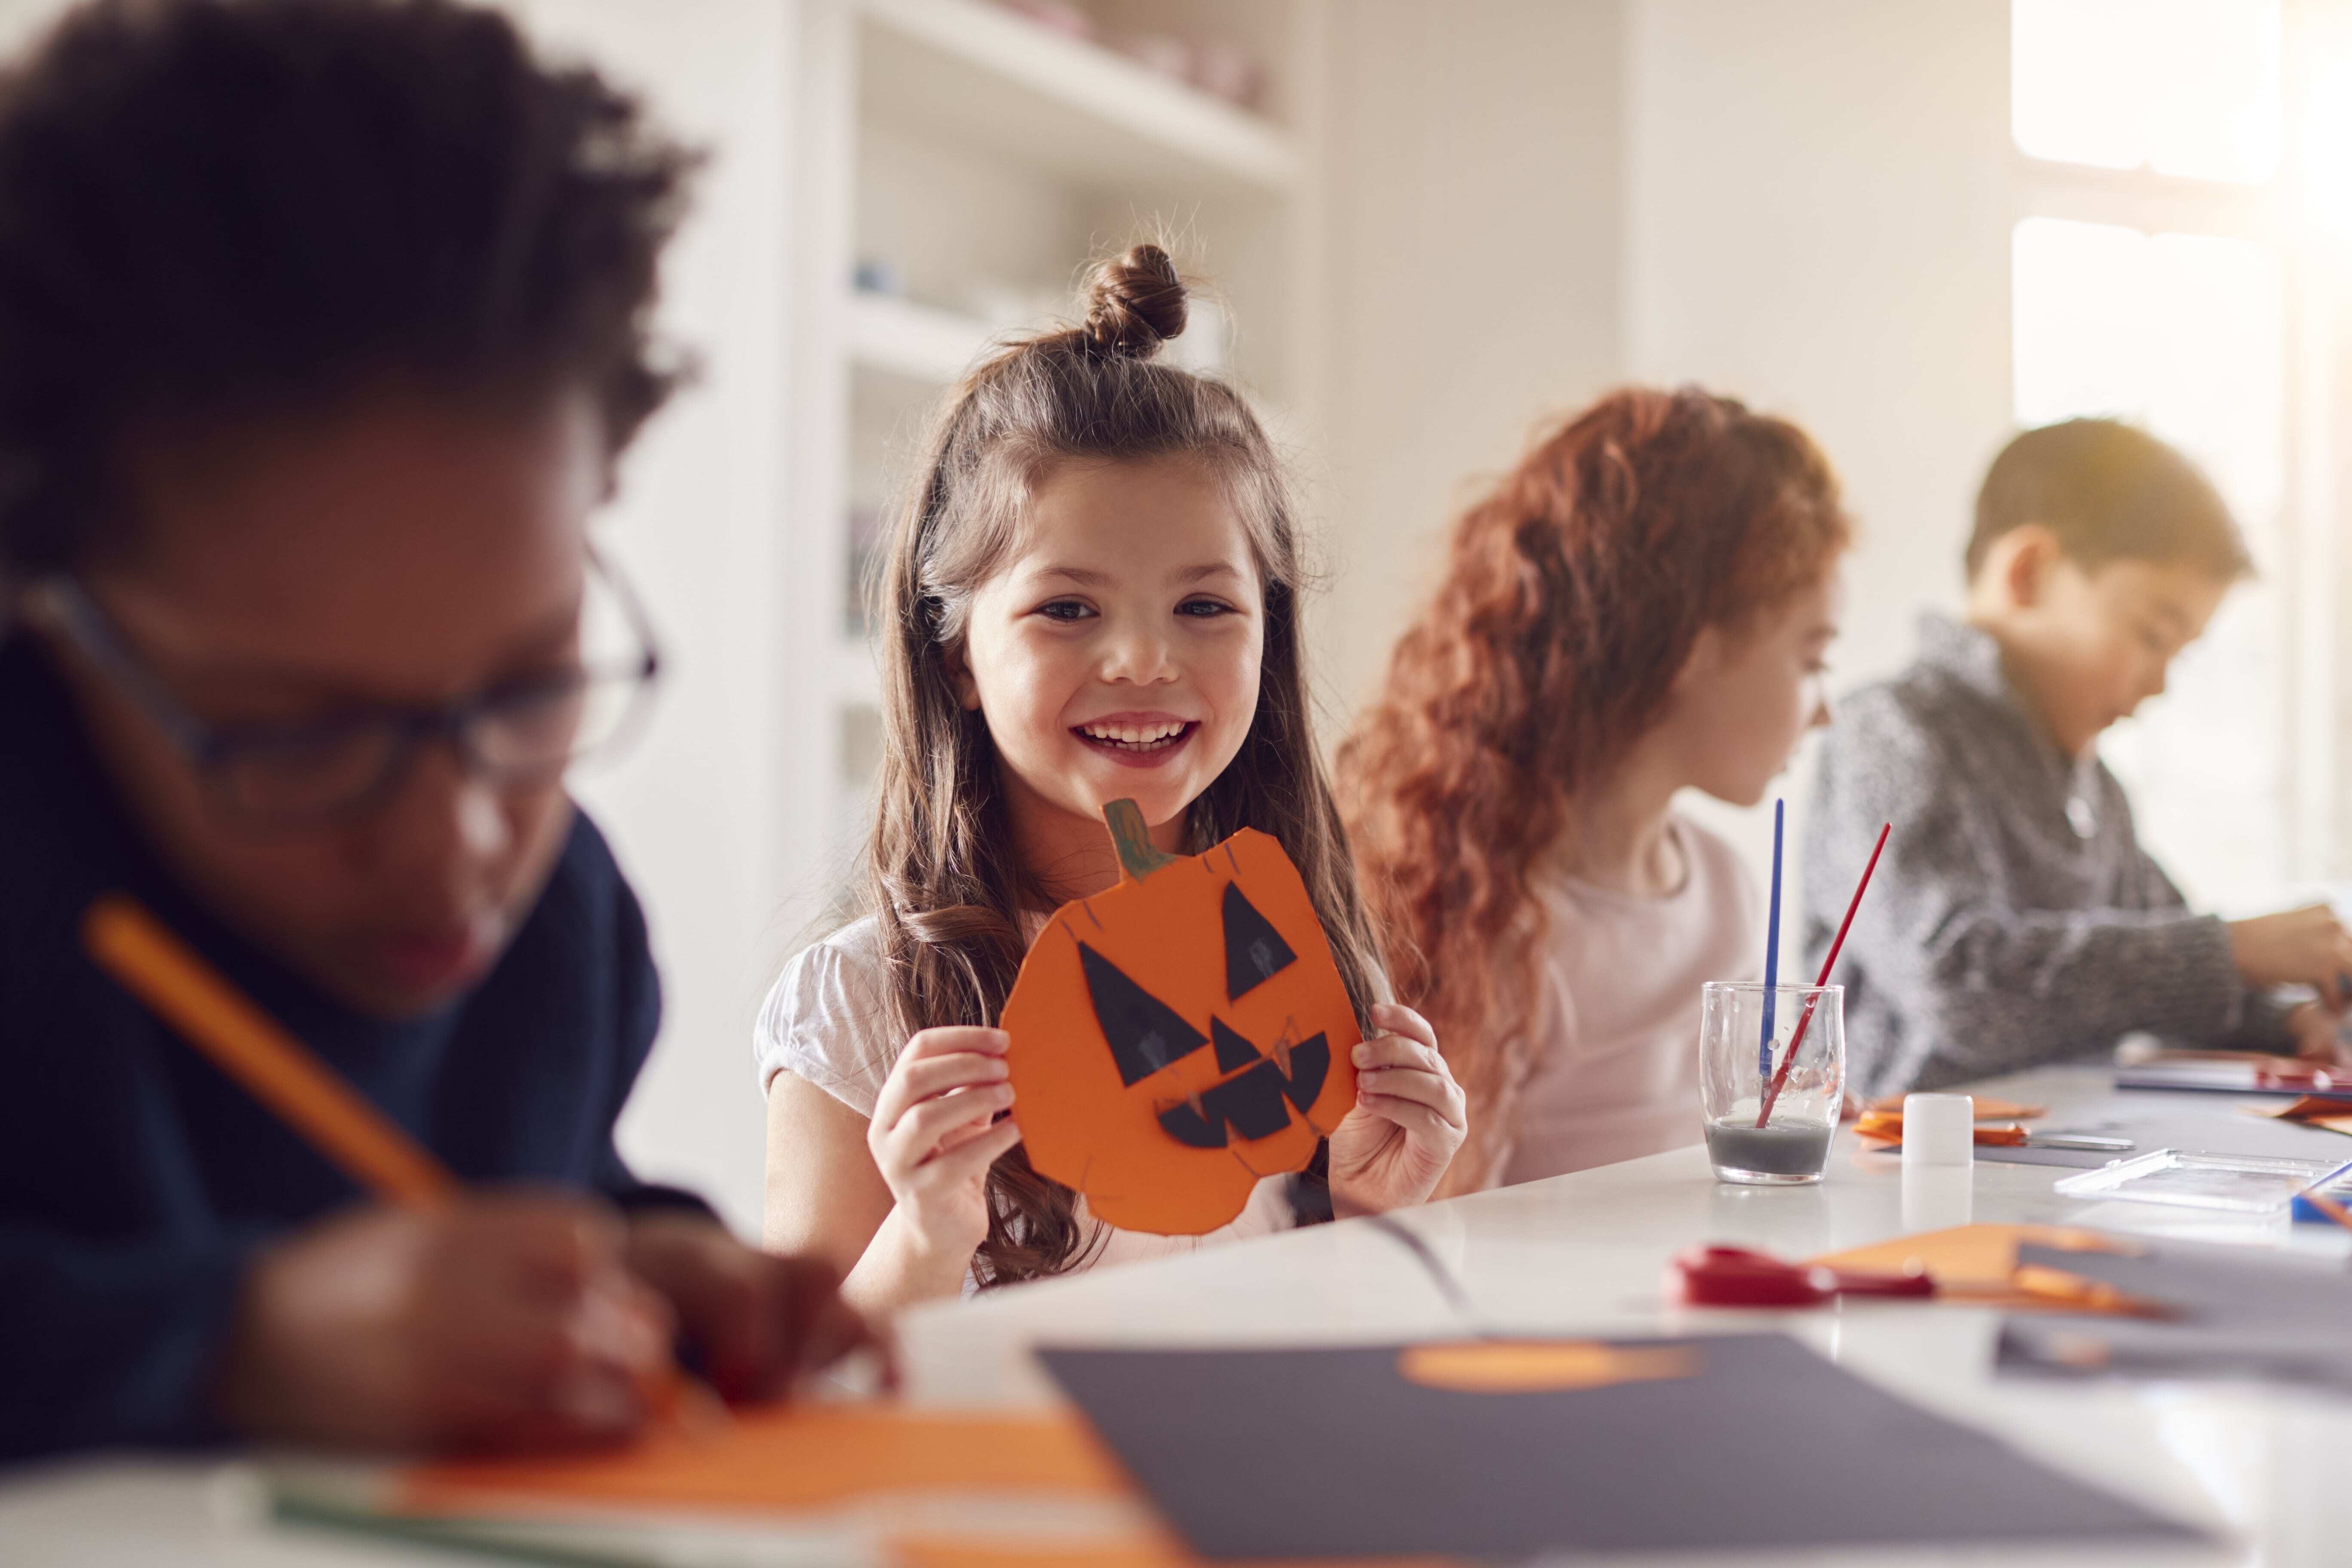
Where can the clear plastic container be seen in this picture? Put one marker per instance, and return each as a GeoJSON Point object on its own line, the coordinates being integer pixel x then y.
{"type": "Point", "coordinates": [2229, 1184]}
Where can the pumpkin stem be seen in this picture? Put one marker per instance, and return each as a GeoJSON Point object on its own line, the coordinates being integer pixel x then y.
{"type": "Point", "coordinates": [1138, 856]}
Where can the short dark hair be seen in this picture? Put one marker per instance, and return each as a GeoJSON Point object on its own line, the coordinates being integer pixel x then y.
{"type": "Point", "coordinates": [2109, 491]}
{"type": "Point", "coordinates": [232, 208]}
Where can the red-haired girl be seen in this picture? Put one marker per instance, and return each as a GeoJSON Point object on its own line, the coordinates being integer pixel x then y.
{"type": "Point", "coordinates": [1641, 607]}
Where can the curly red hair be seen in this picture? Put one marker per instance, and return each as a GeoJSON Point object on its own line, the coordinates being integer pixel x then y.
{"type": "Point", "coordinates": [1573, 593]}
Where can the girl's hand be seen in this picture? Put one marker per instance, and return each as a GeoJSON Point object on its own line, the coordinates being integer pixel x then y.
{"type": "Point", "coordinates": [934, 1134]}
{"type": "Point", "coordinates": [1409, 1119]}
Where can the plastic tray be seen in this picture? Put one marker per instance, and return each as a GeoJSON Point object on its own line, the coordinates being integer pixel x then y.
{"type": "Point", "coordinates": [2231, 1183]}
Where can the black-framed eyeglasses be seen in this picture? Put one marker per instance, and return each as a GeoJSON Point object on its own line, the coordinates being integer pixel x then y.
{"type": "Point", "coordinates": [515, 734]}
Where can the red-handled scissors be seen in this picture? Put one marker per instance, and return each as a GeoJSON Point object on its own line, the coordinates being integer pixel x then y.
{"type": "Point", "coordinates": [1737, 1277]}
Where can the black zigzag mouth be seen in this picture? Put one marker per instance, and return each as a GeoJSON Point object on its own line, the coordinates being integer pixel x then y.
{"type": "Point", "coordinates": [1255, 1102]}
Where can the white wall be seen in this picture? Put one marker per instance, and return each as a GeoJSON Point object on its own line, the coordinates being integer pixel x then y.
{"type": "Point", "coordinates": [1804, 204]}
{"type": "Point", "coordinates": [1475, 167]}
{"type": "Point", "coordinates": [700, 812]}
{"type": "Point", "coordinates": [1819, 205]}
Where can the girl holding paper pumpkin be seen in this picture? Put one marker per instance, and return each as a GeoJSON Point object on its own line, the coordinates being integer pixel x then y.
{"type": "Point", "coordinates": [1642, 606]}
{"type": "Point", "coordinates": [1092, 597]}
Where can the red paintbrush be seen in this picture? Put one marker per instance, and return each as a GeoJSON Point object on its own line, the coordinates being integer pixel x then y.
{"type": "Point", "coordinates": [1772, 1089]}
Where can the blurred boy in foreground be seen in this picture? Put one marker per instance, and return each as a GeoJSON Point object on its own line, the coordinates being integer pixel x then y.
{"type": "Point", "coordinates": [322, 324]}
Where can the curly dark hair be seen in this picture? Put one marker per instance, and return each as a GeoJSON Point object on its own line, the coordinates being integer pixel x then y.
{"type": "Point", "coordinates": [231, 209]}
{"type": "Point", "coordinates": [1573, 593]}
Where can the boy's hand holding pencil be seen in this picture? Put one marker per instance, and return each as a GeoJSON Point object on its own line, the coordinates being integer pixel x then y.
{"type": "Point", "coordinates": [502, 1320]}
{"type": "Point", "coordinates": [444, 1318]}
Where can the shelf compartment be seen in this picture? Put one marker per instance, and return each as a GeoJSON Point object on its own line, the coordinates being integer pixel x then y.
{"type": "Point", "coordinates": [986, 76]}
{"type": "Point", "coordinates": [917, 342]}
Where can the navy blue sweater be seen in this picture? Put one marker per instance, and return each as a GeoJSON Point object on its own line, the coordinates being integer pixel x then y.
{"type": "Point", "coordinates": [135, 1179]}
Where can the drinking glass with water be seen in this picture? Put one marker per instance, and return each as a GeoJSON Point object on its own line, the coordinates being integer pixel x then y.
{"type": "Point", "coordinates": [1771, 1079]}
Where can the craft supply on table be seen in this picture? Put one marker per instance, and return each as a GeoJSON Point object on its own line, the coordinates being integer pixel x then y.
{"type": "Point", "coordinates": [1739, 1277]}
{"type": "Point", "coordinates": [1881, 1128]}
{"type": "Point", "coordinates": [2240, 1312]}
{"type": "Point", "coordinates": [2084, 1134]}
{"type": "Point", "coordinates": [1938, 1130]}
{"type": "Point", "coordinates": [2327, 1201]}
{"type": "Point", "coordinates": [1793, 1147]}
{"type": "Point", "coordinates": [1778, 1079]}
{"type": "Point", "coordinates": [1742, 1442]}
{"type": "Point", "coordinates": [825, 1483]}
{"type": "Point", "coordinates": [2225, 1184]}
{"type": "Point", "coordinates": [2236, 1072]}
{"type": "Point", "coordinates": [1985, 1107]}
{"type": "Point", "coordinates": [2329, 1115]}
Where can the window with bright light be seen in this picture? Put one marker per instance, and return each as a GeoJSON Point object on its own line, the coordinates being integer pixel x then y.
{"type": "Point", "coordinates": [2183, 87]}
{"type": "Point", "coordinates": [2185, 334]}
{"type": "Point", "coordinates": [2181, 334]}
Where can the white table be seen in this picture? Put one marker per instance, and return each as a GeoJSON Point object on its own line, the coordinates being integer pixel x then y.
{"type": "Point", "coordinates": [1578, 1254]}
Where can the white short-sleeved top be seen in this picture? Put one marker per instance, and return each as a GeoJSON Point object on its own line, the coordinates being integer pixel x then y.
{"type": "Point", "coordinates": [827, 1020]}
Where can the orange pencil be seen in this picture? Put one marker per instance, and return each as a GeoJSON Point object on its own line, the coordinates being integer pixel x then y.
{"type": "Point", "coordinates": [277, 1069]}
{"type": "Point", "coordinates": [248, 1045]}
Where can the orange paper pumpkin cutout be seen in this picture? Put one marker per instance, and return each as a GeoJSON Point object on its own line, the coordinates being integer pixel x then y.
{"type": "Point", "coordinates": [1181, 1035]}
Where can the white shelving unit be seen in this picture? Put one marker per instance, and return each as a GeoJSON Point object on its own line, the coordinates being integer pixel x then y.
{"type": "Point", "coordinates": [918, 342]}
{"type": "Point", "coordinates": [969, 160]}
{"type": "Point", "coordinates": [1072, 108]}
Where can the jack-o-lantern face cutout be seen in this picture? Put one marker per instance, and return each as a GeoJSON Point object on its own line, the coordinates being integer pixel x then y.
{"type": "Point", "coordinates": [1183, 1036]}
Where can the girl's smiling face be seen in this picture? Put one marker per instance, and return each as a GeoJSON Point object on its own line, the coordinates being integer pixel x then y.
{"type": "Point", "coordinates": [1115, 655]}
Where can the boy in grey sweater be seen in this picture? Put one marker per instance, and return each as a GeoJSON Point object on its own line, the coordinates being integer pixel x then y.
{"type": "Point", "coordinates": [2014, 919]}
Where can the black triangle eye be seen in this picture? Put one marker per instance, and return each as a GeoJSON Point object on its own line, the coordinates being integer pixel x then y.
{"type": "Point", "coordinates": [1255, 950]}
{"type": "Point", "coordinates": [1145, 1033]}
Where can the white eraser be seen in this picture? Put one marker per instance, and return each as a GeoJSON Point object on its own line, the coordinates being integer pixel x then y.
{"type": "Point", "coordinates": [1939, 1130]}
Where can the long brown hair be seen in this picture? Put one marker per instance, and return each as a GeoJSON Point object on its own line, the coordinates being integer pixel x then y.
{"type": "Point", "coordinates": [1573, 593]}
{"type": "Point", "coordinates": [941, 876]}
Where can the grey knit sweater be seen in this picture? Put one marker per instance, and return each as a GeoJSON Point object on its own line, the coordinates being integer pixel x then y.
{"type": "Point", "coordinates": [2015, 917]}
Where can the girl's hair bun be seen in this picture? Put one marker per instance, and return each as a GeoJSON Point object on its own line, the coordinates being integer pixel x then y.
{"type": "Point", "coordinates": [1135, 302]}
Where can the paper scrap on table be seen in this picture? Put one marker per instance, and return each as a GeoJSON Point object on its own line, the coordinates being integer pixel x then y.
{"type": "Point", "coordinates": [1180, 1036]}
{"type": "Point", "coordinates": [1763, 1447]}
{"type": "Point", "coordinates": [1885, 1127]}
{"type": "Point", "coordinates": [1142, 1549]}
{"type": "Point", "coordinates": [2242, 1312]}
{"type": "Point", "coordinates": [796, 1456]}
{"type": "Point", "coordinates": [2314, 1110]}
{"type": "Point", "coordinates": [1975, 1261]}
{"type": "Point", "coordinates": [1987, 1108]}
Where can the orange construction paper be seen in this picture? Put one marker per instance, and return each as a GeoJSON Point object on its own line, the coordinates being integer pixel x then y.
{"type": "Point", "coordinates": [1107, 1099]}
{"type": "Point", "coordinates": [1885, 1127]}
{"type": "Point", "coordinates": [797, 1456]}
{"type": "Point", "coordinates": [1534, 1366]}
{"type": "Point", "coordinates": [1139, 1551]}
{"type": "Point", "coordinates": [1977, 1263]}
{"type": "Point", "coordinates": [2316, 1111]}
{"type": "Point", "coordinates": [1987, 1108]}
